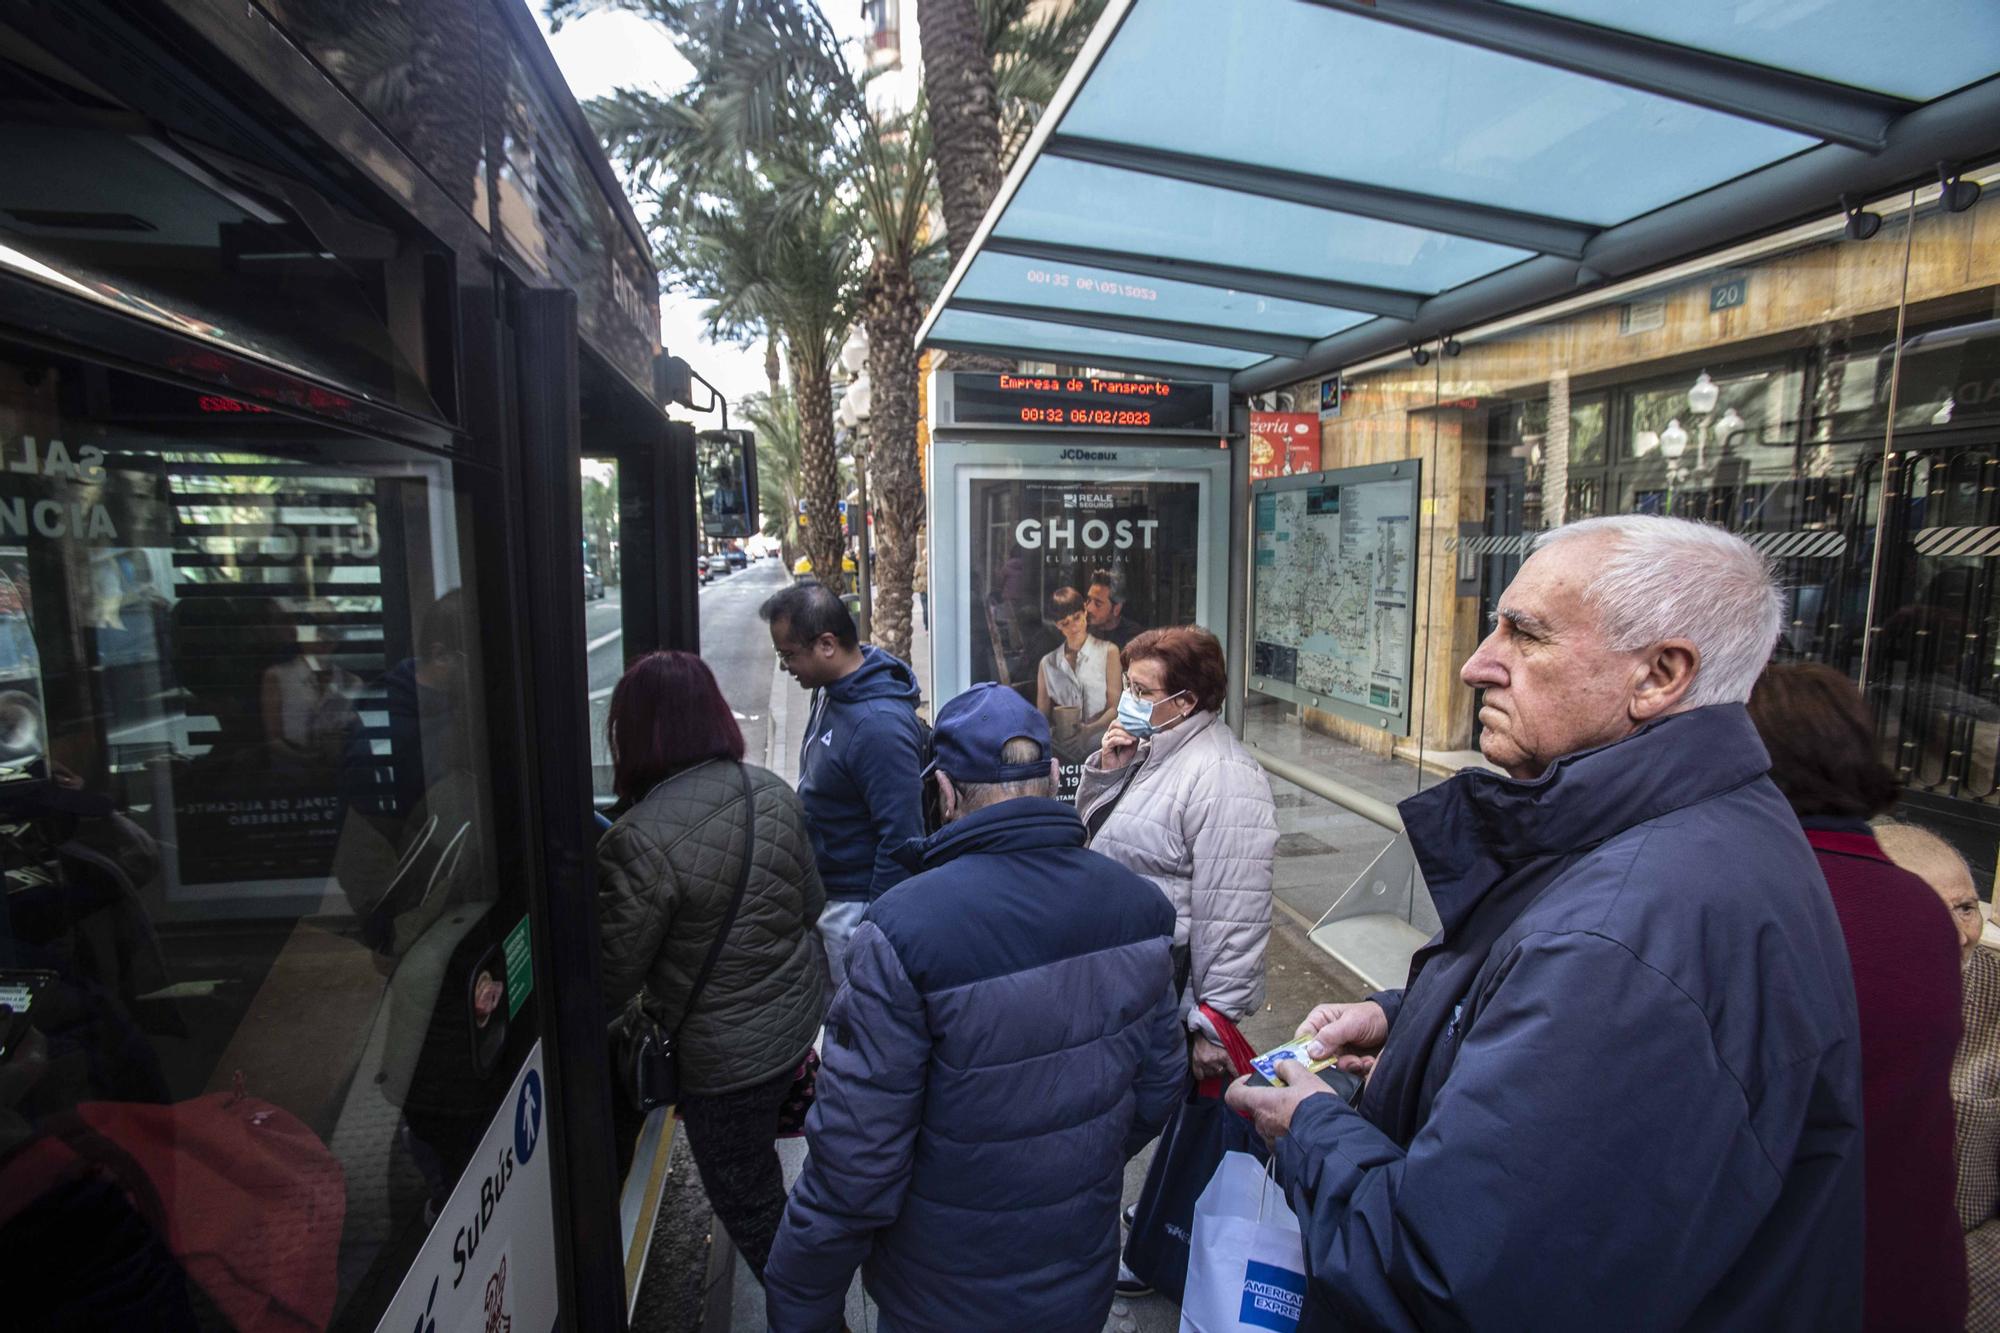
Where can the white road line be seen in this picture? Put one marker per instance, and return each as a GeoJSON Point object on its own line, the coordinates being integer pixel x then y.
{"type": "Point", "coordinates": [603, 639]}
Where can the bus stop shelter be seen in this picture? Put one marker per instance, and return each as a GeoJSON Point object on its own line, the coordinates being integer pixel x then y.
{"type": "Point", "coordinates": [1267, 191]}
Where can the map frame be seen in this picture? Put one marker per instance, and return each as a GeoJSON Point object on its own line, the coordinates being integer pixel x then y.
{"type": "Point", "coordinates": [1268, 561]}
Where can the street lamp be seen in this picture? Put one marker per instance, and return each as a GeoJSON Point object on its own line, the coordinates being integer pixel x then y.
{"type": "Point", "coordinates": [1702, 397]}
{"type": "Point", "coordinates": [1674, 441]}
{"type": "Point", "coordinates": [1728, 427]}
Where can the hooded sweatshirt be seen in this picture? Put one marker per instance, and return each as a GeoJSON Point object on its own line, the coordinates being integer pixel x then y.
{"type": "Point", "coordinates": [860, 776]}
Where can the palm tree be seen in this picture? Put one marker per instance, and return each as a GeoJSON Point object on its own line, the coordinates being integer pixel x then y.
{"type": "Point", "coordinates": [765, 238]}
{"type": "Point", "coordinates": [990, 67]}
{"type": "Point", "coordinates": [775, 95]}
{"type": "Point", "coordinates": [1031, 53]}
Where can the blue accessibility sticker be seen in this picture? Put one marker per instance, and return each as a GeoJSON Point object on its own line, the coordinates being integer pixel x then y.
{"type": "Point", "coordinates": [528, 1118]}
{"type": "Point", "coordinates": [1273, 1297]}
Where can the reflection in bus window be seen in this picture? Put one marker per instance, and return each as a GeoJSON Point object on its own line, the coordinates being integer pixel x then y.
{"type": "Point", "coordinates": [254, 918]}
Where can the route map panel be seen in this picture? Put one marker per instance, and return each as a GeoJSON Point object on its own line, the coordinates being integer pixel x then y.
{"type": "Point", "coordinates": [1333, 589]}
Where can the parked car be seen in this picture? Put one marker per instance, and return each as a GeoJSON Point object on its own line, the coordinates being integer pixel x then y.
{"type": "Point", "coordinates": [593, 584]}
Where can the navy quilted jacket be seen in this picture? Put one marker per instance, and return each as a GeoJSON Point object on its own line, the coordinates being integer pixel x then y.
{"type": "Point", "coordinates": [1008, 1036]}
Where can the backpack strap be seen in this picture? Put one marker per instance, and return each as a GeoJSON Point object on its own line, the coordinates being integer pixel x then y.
{"type": "Point", "coordinates": [735, 901]}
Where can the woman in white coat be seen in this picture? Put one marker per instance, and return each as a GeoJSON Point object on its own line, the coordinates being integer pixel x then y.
{"type": "Point", "coordinates": [1173, 795]}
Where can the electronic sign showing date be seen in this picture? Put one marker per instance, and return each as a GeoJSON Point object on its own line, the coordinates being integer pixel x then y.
{"type": "Point", "coordinates": [1082, 402]}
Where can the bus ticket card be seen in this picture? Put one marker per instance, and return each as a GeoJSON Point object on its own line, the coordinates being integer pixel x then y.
{"type": "Point", "coordinates": [1267, 1063]}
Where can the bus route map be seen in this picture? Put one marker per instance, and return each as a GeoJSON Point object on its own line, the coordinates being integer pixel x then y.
{"type": "Point", "coordinates": [1333, 602]}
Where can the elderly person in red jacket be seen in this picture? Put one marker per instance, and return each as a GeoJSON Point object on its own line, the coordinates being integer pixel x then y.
{"type": "Point", "coordinates": [1901, 943]}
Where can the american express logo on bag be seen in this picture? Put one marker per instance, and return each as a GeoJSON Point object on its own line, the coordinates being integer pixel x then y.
{"type": "Point", "coordinates": [1272, 1297]}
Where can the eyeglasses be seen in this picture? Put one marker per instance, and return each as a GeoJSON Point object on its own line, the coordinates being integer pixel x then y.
{"type": "Point", "coordinates": [1140, 692]}
{"type": "Point", "coordinates": [797, 650]}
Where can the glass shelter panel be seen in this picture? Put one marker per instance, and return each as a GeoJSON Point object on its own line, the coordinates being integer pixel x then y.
{"type": "Point", "coordinates": [258, 920]}
{"type": "Point", "coordinates": [1106, 208]}
{"type": "Point", "coordinates": [1933, 662]}
{"type": "Point", "coordinates": [1914, 51]}
{"type": "Point", "coordinates": [1092, 290]}
{"type": "Point", "coordinates": [1083, 344]}
{"type": "Point", "coordinates": [1285, 85]}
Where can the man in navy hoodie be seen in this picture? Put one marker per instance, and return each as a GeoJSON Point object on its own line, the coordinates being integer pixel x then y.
{"type": "Point", "coordinates": [861, 763]}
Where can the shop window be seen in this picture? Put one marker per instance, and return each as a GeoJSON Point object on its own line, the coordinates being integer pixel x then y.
{"type": "Point", "coordinates": [255, 931]}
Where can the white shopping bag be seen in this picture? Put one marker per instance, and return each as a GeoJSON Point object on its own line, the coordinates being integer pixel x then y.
{"type": "Point", "coordinates": [1246, 1264]}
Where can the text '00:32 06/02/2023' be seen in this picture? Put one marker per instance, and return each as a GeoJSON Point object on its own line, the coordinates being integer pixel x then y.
{"type": "Point", "coordinates": [1084, 416]}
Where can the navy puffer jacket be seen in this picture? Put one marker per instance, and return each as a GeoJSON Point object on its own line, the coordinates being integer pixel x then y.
{"type": "Point", "coordinates": [1007, 1038]}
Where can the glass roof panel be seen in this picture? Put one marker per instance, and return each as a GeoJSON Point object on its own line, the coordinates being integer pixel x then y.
{"type": "Point", "coordinates": [1037, 335]}
{"type": "Point", "coordinates": [1919, 49]}
{"type": "Point", "coordinates": [1105, 208]}
{"type": "Point", "coordinates": [1106, 291]}
{"type": "Point", "coordinates": [1295, 86]}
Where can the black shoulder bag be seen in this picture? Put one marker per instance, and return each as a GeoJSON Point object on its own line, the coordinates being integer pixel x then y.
{"type": "Point", "coordinates": [643, 1051]}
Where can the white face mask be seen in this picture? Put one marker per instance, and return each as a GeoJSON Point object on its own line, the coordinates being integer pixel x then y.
{"type": "Point", "coordinates": [1136, 716]}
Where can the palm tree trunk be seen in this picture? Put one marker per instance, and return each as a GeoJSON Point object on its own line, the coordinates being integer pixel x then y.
{"type": "Point", "coordinates": [819, 480]}
{"type": "Point", "coordinates": [894, 310]}
{"type": "Point", "coordinates": [965, 115]}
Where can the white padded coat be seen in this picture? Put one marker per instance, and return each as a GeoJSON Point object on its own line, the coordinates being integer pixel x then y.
{"type": "Point", "coordinates": [1198, 821]}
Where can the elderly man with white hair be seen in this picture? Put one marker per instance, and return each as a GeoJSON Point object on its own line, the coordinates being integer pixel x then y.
{"type": "Point", "coordinates": [1621, 1089]}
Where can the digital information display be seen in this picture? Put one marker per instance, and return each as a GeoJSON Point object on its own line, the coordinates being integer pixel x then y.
{"type": "Point", "coordinates": [1081, 402]}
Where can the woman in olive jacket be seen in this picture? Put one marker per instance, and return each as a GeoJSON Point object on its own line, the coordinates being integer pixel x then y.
{"type": "Point", "coordinates": [666, 872]}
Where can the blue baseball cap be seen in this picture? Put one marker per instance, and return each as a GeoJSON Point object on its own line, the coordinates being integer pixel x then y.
{"type": "Point", "coordinates": [975, 727]}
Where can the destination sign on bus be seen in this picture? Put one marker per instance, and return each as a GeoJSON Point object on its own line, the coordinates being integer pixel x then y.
{"type": "Point", "coordinates": [1082, 402]}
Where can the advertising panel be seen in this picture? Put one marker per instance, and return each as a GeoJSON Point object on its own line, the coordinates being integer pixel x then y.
{"type": "Point", "coordinates": [1058, 556]}
{"type": "Point", "coordinates": [1283, 444]}
{"type": "Point", "coordinates": [1333, 591]}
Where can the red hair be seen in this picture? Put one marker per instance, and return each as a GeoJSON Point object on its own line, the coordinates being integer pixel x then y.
{"type": "Point", "coordinates": [667, 713]}
{"type": "Point", "coordinates": [1191, 659]}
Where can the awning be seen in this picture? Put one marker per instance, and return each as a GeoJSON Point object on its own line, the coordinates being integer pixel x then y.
{"type": "Point", "coordinates": [1266, 191]}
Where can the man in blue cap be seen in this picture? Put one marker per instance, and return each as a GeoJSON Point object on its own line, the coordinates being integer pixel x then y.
{"type": "Point", "coordinates": [1008, 1036]}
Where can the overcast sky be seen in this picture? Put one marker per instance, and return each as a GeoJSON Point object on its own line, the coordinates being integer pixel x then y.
{"type": "Point", "coordinates": [605, 51]}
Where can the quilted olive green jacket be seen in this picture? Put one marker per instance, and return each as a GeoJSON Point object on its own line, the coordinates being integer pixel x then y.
{"type": "Point", "coordinates": [665, 874]}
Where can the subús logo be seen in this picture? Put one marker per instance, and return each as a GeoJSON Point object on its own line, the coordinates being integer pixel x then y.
{"type": "Point", "coordinates": [527, 1137]}
{"type": "Point", "coordinates": [1273, 1297]}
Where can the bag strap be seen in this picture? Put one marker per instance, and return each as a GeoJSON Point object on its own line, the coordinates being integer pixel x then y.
{"type": "Point", "coordinates": [735, 901]}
